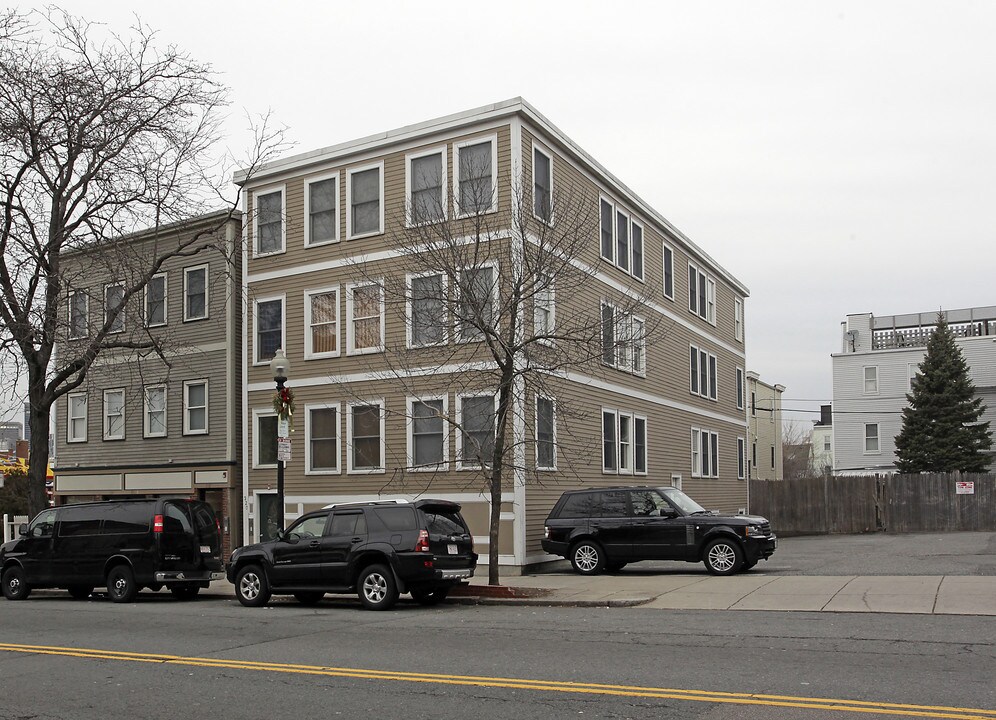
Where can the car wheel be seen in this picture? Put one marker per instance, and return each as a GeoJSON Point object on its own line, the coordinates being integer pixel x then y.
{"type": "Point", "coordinates": [15, 584]}
{"type": "Point", "coordinates": [80, 592]}
{"type": "Point", "coordinates": [723, 557]}
{"type": "Point", "coordinates": [309, 597]}
{"type": "Point", "coordinates": [588, 558]}
{"type": "Point", "coordinates": [121, 585]}
{"type": "Point", "coordinates": [185, 592]}
{"type": "Point", "coordinates": [251, 587]}
{"type": "Point", "coordinates": [430, 596]}
{"type": "Point", "coordinates": [615, 566]}
{"type": "Point", "coordinates": [376, 588]}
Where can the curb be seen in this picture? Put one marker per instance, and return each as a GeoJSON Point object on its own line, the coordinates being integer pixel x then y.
{"type": "Point", "coordinates": [544, 602]}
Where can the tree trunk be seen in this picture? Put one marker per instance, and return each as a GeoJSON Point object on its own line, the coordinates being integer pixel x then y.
{"type": "Point", "coordinates": [39, 417]}
{"type": "Point", "coordinates": [497, 471]}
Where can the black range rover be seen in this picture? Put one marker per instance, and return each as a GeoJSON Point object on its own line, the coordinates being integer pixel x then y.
{"type": "Point", "coordinates": [606, 528]}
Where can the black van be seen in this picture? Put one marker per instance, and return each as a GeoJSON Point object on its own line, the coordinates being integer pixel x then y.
{"type": "Point", "coordinates": [123, 545]}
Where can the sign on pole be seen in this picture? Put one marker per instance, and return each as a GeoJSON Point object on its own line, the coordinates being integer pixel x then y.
{"type": "Point", "coordinates": [283, 427]}
{"type": "Point", "coordinates": [284, 449]}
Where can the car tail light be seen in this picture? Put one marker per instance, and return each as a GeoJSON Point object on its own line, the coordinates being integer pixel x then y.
{"type": "Point", "coordinates": [423, 541]}
{"type": "Point", "coordinates": [157, 524]}
{"type": "Point", "coordinates": [217, 525]}
{"type": "Point", "coordinates": [546, 532]}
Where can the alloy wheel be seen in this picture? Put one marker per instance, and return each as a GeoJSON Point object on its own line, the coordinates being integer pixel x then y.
{"type": "Point", "coordinates": [249, 586]}
{"type": "Point", "coordinates": [722, 557]}
{"type": "Point", "coordinates": [586, 558]}
{"type": "Point", "coordinates": [375, 587]}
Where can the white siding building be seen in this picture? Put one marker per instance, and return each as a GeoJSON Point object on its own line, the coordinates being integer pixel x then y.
{"type": "Point", "coordinates": [872, 372]}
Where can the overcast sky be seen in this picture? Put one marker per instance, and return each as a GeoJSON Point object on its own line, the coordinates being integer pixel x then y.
{"type": "Point", "coordinates": [836, 157]}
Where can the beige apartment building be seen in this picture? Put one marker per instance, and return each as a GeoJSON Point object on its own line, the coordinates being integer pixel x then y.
{"type": "Point", "coordinates": [633, 367]}
{"type": "Point", "coordinates": [144, 424]}
{"type": "Point", "coordinates": [765, 425]}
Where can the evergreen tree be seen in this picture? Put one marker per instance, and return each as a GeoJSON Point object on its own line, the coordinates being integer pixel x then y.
{"type": "Point", "coordinates": [941, 429]}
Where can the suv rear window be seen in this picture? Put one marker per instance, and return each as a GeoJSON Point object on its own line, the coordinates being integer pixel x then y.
{"type": "Point", "coordinates": [204, 522]}
{"type": "Point", "coordinates": [443, 522]}
{"type": "Point", "coordinates": [396, 518]}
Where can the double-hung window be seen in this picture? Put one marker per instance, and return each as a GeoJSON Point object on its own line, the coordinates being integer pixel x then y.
{"type": "Point", "coordinates": [427, 439]}
{"type": "Point", "coordinates": [477, 430]}
{"type": "Point", "coordinates": [195, 293]}
{"type": "Point", "coordinates": [705, 453]}
{"type": "Point", "coordinates": [871, 380]}
{"type": "Point", "coordinates": [195, 407]}
{"type": "Point", "coordinates": [623, 340]}
{"type": "Point", "coordinates": [701, 294]}
{"type": "Point", "coordinates": [154, 424]}
{"type": "Point", "coordinates": [624, 443]}
{"type": "Point", "coordinates": [364, 319]}
{"type": "Point", "coordinates": [476, 180]}
{"type": "Point", "coordinates": [740, 388]}
{"type": "Point", "coordinates": [322, 210]}
{"type": "Point", "coordinates": [265, 439]}
{"type": "Point", "coordinates": [322, 439]}
{"type": "Point", "coordinates": [668, 272]}
{"type": "Point", "coordinates": [114, 417]}
{"type": "Point", "coordinates": [78, 305]}
{"type": "Point", "coordinates": [546, 434]}
{"type": "Point", "coordinates": [620, 238]}
{"type": "Point", "coordinates": [268, 320]}
{"type": "Point", "coordinates": [741, 458]}
{"type": "Point", "coordinates": [542, 185]}
{"type": "Point", "coordinates": [114, 312]}
{"type": "Point", "coordinates": [544, 300]}
{"type": "Point", "coordinates": [155, 300]}
{"type": "Point", "coordinates": [365, 435]}
{"type": "Point", "coordinates": [366, 209]}
{"type": "Point", "coordinates": [702, 371]}
{"type": "Point", "coordinates": [871, 438]}
{"type": "Point", "coordinates": [76, 427]}
{"type": "Point", "coordinates": [426, 310]}
{"type": "Point", "coordinates": [476, 305]}
{"type": "Point", "coordinates": [738, 319]}
{"type": "Point", "coordinates": [269, 222]}
{"type": "Point", "coordinates": [321, 319]}
{"type": "Point", "coordinates": [426, 181]}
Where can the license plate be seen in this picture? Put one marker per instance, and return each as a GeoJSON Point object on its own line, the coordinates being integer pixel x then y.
{"type": "Point", "coordinates": [451, 549]}
{"type": "Point", "coordinates": [205, 549]}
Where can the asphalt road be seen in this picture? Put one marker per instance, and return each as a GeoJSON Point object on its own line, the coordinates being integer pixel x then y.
{"type": "Point", "coordinates": [455, 661]}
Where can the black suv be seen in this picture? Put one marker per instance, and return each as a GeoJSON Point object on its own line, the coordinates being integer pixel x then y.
{"type": "Point", "coordinates": [606, 528]}
{"type": "Point", "coordinates": [123, 545]}
{"type": "Point", "coordinates": [376, 549]}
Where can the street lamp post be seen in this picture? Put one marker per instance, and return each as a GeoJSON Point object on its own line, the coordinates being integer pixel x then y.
{"type": "Point", "coordinates": [280, 367]}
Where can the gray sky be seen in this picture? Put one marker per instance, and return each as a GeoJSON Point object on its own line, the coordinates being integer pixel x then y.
{"type": "Point", "coordinates": [837, 157]}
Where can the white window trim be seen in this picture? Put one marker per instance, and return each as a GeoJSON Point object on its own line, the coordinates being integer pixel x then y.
{"type": "Point", "coordinates": [443, 187]}
{"type": "Point", "coordinates": [742, 458]}
{"type": "Point", "coordinates": [207, 292]}
{"type": "Point", "coordinates": [350, 335]}
{"type": "Point", "coordinates": [615, 442]}
{"type": "Point", "coordinates": [864, 380]}
{"type": "Point", "coordinates": [911, 371]}
{"type": "Point", "coordinates": [493, 139]}
{"type": "Point", "coordinates": [410, 422]}
{"type": "Point", "coordinates": [708, 313]}
{"type": "Point", "coordinates": [619, 211]}
{"type": "Point", "coordinates": [738, 319]}
{"type": "Point", "coordinates": [741, 383]}
{"type": "Point", "coordinates": [710, 300]}
{"type": "Point", "coordinates": [552, 289]}
{"type": "Point", "coordinates": [612, 227]}
{"type": "Point", "coordinates": [543, 150]}
{"type": "Point", "coordinates": [307, 209]}
{"type": "Point", "coordinates": [145, 411]}
{"type": "Point", "coordinates": [639, 344]}
{"type": "Point", "coordinates": [256, 361]}
{"type": "Point", "coordinates": [553, 404]}
{"type": "Point", "coordinates": [670, 249]}
{"type": "Point", "coordinates": [495, 279]}
{"type": "Point", "coordinates": [460, 465]}
{"type": "Point", "coordinates": [106, 418]}
{"type": "Point", "coordinates": [308, 467]}
{"type": "Point", "coordinates": [646, 445]}
{"type": "Point", "coordinates": [282, 189]}
{"type": "Point", "coordinates": [349, 200]}
{"type": "Point", "coordinates": [697, 434]}
{"type": "Point", "coordinates": [410, 318]}
{"type": "Point", "coordinates": [630, 454]}
{"type": "Point", "coordinates": [707, 380]}
{"type": "Point", "coordinates": [121, 313]}
{"type": "Point", "coordinates": [633, 222]}
{"type": "Point", "coordinates": [186, 406]}
{"type": "Point", "coordinates": [256, 415]}
{"type": "Point", "coordinates": [145, 301]}
{"type": "Point", "coordinates": [86, 314]}
{"type": "Point", "coordinates": [349, 439]}
{"type": "Point", "coordinates": [878, 439]}
{"type": "Point", "coordinates": [309, 352]}
{"type": "Point", "coordinates": [70, 438]}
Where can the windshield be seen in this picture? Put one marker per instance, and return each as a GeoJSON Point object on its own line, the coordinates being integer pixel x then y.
{"type": "Point", "coordinates": [682, 501]}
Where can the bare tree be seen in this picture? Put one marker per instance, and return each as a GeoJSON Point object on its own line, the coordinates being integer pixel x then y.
{"type": "Point", "coordinates": [797, 452]}
{"type": "Point", "coordinates": [100, 135]}
{"type": "Point", "coordinates": [492, 302]}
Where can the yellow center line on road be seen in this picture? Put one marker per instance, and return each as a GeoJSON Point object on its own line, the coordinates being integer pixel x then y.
{"type": "Point", "coordinates": [788, 701]}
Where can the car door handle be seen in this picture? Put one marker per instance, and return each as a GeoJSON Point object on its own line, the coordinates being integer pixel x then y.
{"type": "Point", "coordinates": [356, 539]}
{"type": "Point", "coordinates": [315, 543]}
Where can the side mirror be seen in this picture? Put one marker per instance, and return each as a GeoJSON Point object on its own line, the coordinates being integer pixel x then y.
{"type": "Point", "coordinates": [281, 535]}
{"type": "Point", "coordinates": [22, 529]}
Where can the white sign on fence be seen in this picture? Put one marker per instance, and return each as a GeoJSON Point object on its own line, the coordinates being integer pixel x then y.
{"type": "Point", "coordinates": [964, 488]}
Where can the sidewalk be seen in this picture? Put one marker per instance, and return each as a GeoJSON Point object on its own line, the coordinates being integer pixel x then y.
{"type": "Point", "coordinates": [928, 595]}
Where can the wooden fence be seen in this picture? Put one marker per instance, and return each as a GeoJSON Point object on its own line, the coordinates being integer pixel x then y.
{"type": "Point", "coordinates": [892, 503]}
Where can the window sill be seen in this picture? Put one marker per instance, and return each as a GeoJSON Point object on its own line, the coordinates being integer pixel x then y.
{"type": "Point", "coordinates": [372, 233]}
{"type": "Point", "coordinates": [257, 255]}
{"type": "Point", "coordinates": [321, 243]}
